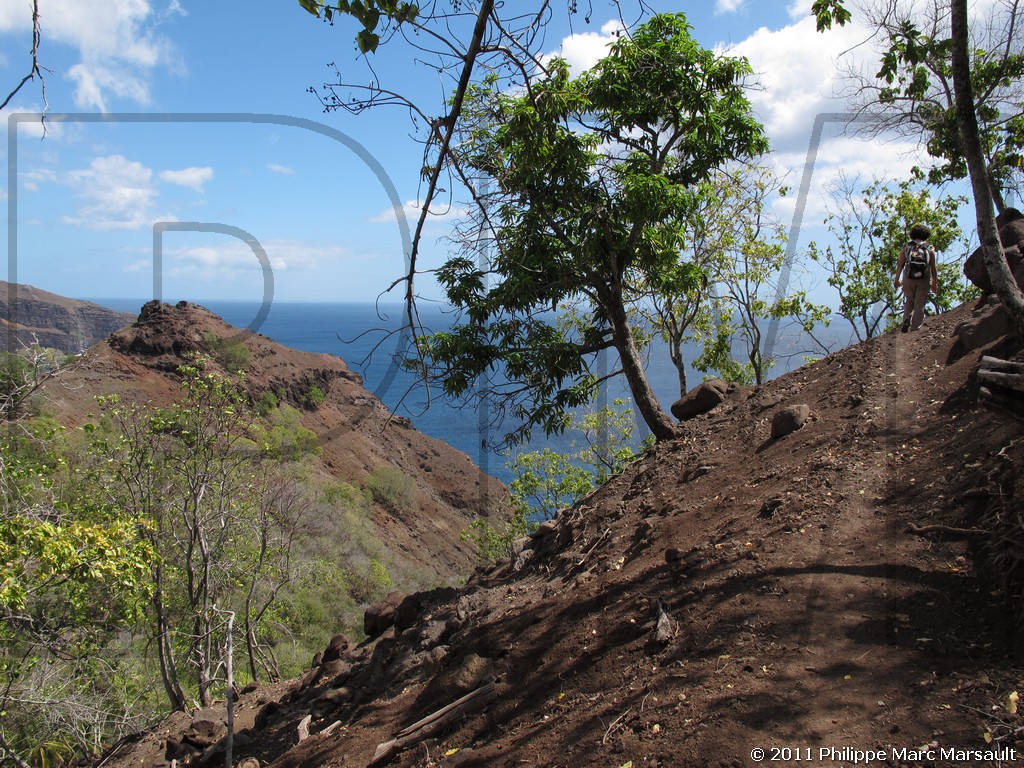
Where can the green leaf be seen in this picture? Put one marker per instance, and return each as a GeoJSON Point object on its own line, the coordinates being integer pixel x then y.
{"type": "Point", "coordinates": [367, 41]}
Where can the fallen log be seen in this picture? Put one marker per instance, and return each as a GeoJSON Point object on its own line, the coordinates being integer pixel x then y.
{"type": "Point", "coordinates": [1002, 385]}
{"type": "Point", "coordinates": [432, 723]}
{"type": "Point", "coordinates": [996, 364]}
{"type": "Point", "coordinates": [1013, 381]}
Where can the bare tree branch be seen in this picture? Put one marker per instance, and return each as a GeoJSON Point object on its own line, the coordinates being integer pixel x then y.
{"type": "Point", "coordinates": [35, 70]}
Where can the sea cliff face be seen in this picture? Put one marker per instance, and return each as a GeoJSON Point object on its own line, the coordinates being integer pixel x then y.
{"type": "Point", "coordinates": [48, 320]}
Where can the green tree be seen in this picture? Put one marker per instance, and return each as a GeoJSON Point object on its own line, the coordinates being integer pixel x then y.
{"type": "Point", "coordinates": [746, 277]}
{"type": "Point", "coordinates": [221, 522]}
{"type": "Point", "coordinates": [72, 576]}
{"type": "Point", "coordinates": [546, 481]}
{"type": "Point", "coordinates": [913, 94]}
{"type": "Point", "coordinates": [972, 142]}
{"type": "Point", "coordinates": [870, 226]}
{"type": "Point", "coordinates": [590, 179]}
{"type": "Point", "coordinates": [459, 41]}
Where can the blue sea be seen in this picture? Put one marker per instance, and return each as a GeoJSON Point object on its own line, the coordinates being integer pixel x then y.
{"type": "Point", "coordinates": [367, 337]}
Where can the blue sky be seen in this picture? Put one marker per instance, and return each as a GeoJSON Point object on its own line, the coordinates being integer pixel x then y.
{"type": "Point", "coordinates": [89, 192]}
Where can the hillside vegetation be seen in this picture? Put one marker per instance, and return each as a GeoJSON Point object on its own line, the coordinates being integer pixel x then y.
{"type": "Point", "coordinates": [181, 474]}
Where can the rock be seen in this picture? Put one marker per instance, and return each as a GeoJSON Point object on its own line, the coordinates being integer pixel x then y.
{"type": "Point", "coordinates": [665, 626]}
{"type": "Point", "coordinates": [408, 611]}
{"type": "Point", "coordinates": [432, 634]}
{"type": "Point", "coordinates": [1011, 234]}
{"type": "Point", "coordinates": [332, 670]}
{"type": "Point", "coordinates": [411, 608]}
{"type": "Point", "coordinates": [990, 323]}
{"type": "Point", "coordinates": [330, 700]}
{"type": "Point", "coordinates": [522, 553]}
{"type": "Point", "coordinates": [1011, 227]}
{"type": "Point", "coordinates": [770, 507]}
{"type": "Point", "coordinates": [205, 733]}
{"type": "Point", "coordinates": [548, 526]}
{"type": "Point", "coordinates": [474, 671]}
{"type": "Point", "coordinates": [418, 666]}
{"type": "Point", "coordinates": [336, 648]}
{"type": "Point", "coordinates": [264, 716]}
{"type": "Point", "coordinates": [700, 399]}
{"type": "Point", "coordinates": [178, 750]}
{"type": "Point", "coordinates": [789, 420]}
{"type": "Point", "coordinates": [50, 320]}
{"type": "Point", "coordinates": [380, 617]}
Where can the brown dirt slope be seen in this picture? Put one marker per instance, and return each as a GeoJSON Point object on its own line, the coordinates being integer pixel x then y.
{"type": "Point", "coordinates": [357, 434]}
{"type": "Point", "coordinates": [797, 609]}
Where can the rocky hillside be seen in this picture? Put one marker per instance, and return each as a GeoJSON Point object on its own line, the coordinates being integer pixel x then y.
{"type": "Point", "coordinates": [357, 435]}
{"type": "Point", "coordinates": [49, 320]}
{"type": "Point", "coordinates": [851, 585]}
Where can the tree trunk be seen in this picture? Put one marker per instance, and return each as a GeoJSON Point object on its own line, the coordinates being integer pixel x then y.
{"type": "Point", "coordinates": [165, 649]}
{"type": "Point", "coordinates": [992, 250]}
{"type": "Point", "coordinates": [660, 424]}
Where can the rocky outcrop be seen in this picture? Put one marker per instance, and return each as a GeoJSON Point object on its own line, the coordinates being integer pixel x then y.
{"type": "Point", "coordinates": [48, 320]}
{"type": "Point", "coordinates": [1011, 234]}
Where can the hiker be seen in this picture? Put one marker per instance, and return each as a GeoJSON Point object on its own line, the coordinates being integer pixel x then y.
{"type": "Point", "coordinates": [918, 256]}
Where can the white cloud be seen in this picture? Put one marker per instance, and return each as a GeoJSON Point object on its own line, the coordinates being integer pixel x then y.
{"type": "Point", "coordinates": [582, 51]}
{"type": "Point", "coordinates": [116, 193]}
{"type": "Point", "coordinates": [229, 259]}
{"type": "Point", "coordinates": [193, 177]}
{"type": "Point", "coordinates": [847, 155]}
{"type": "Point", "coordinates": [413, 208]}
{"type": "Point", "coordinates": [728, 6]}
{"type": "Point", "coordinates": [116, 40]}
{"type": "Point", "coordinates": [31, 179]}
{"type": "Point", "coordinates": [797, 74]}
{"type": "Point", "coordinates": [799, 9]}
{"type": "Point", "coordinates": [282, 169]}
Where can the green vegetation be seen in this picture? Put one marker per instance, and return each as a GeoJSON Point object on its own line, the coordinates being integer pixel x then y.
{"type": "Point", "coordinates": [586, 182]}
{"type": "Point", "coordinates": [314, 397]}
{"type": "Point", "coordinates": [392, 488]}
{"type": "Point", "coordinates": [73, 575]}
{"type": "Point", "coordinates": [966, 101]}
{"type": "Point", "coordinates": [129, 541]}
{"type": "Point", "coordinates": [546, 481]}
{"type": "Point", "coordinates": [286, 438]}
{"type": "Point", "coordinates": [233, 356]}
{"type": "Point", "coordinates": [870, 226]}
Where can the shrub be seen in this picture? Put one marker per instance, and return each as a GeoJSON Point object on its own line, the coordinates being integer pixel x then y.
{"type": "Point", "coordinates": [391, 488]}
{"type": "Point", "coordinates": [266, 403]}
{"type": "Point", "coordinates": [233, 356]}
{"type": "Point", "coordinates": [494, 543]}
{"type": "Point", "coordinates": [287, 438]}
{"type": "Point", "coordinates": [314, 397]}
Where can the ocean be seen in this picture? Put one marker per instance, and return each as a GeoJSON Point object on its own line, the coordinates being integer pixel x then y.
{"type": "Point", "coordinates": [366, 337]}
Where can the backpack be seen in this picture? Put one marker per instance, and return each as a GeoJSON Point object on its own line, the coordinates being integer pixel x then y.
{"type": "Point", "coordinates": [917, 260]}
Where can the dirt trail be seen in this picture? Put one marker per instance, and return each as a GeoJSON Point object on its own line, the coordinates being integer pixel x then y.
{"type": "Point", "coordinates": [848, 670]}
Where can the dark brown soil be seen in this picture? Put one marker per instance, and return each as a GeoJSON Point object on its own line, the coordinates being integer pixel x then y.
{"type": "Point", "coordinates": [804, 613]}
